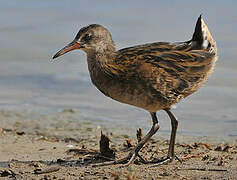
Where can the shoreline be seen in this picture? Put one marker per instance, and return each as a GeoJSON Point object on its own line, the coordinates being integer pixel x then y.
{"type": "Point", "coordinates": [69, 121]}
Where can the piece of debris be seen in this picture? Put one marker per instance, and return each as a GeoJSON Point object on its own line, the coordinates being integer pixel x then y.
{"type": "Point", "coordinates": [46, 170]}
{"type": "Point", "coordinates": [7, 130]}
{"type": "Point", "coordinates": [223, 148]}
{"type": "Point", "coordinates": [81, 151]}
{"type": "Point", "coordinates": [226, 148]}
{"type": "Point", "coordinates": [186, 145]}
{"type": "Point", "coordinates": [69, 139]}
{"type": "Point", "coordinates": [196, 145]}
{"type": "Point", "coordinates": [69, 146]}
{"type": "Point", "coordinates": [203, 169]}
{"type": "Point", "coordinates": [221, 162]}
{"type": "Point", "coordinates": [41, 149]}
{"type": "Point", "coordinates": [104, 147]}
{"type": "Point", "coordinates": [69, 111]}
{"type": "Point", "coordinates": [139, 134]}
{"type": "Point", "coordinates": [164, 174]}
{"type": "Point", "coordinates": [214, 159]}
{"type": "Point", "coordinates": [36, 164]}
{"type": "Point", "coordinates": [6, 173]}
{"type": "Point", "coordinates": [189, 156]}
{"type": "Point", "coordinates": [20, 133]}
{"type": "Point", "coordinates": [48, 139]}
{"type": "Point", "coordinates": [128, 143]}
{"type": "Point", "coordinates": [206, 145]}
{"type": "Point", "coordinates": [205, 157]}
{"type": "Point", "coordinates": [218, 148]}
{"type": "Point", "coordinates": [59, 161]}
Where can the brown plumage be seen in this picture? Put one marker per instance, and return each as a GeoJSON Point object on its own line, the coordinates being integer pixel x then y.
{"type": "Point", "coordinates": [152, 76]}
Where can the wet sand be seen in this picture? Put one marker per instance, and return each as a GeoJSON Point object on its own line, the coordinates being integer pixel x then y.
{"type": "Point", "coordinates": [34, 146]}
{"type": "Point", "coordinates": [32, 32]}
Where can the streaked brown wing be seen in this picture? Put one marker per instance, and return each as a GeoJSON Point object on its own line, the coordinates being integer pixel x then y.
{"type": "Point", "coordinates": [174, 69]}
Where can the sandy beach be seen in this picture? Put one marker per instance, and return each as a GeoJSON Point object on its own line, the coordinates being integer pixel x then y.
{"type": "Point", "coordinates": [47, 151]}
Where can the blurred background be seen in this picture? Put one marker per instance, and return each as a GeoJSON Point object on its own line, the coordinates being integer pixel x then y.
{"type": "Point", "coordinates": [32, 31]}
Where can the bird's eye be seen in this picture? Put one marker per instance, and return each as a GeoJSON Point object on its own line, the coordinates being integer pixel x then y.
{"type": "Point", "coordinates": [87, 37]}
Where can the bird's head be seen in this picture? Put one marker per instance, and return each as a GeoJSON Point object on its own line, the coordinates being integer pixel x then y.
{"type": "Point", "coordinates": [91, 39]}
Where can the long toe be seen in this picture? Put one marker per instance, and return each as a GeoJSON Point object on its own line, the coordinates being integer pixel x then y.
{"type": "Point", "coordinates": [128, 160]}
{"type": "Point", "coordinates": [131, 160]}
{"type": "Point", "coordinates": [159, 162]}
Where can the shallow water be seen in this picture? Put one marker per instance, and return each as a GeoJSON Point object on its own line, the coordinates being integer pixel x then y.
{"type": "Point", "coordinates": [32, 31]}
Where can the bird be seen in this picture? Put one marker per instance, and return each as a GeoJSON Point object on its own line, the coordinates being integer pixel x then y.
{"type": "Point", "coordinates": [153, 76]}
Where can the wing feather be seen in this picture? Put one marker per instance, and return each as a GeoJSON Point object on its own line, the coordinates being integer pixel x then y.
{"type": "Point", "coordinates": [174, 69]}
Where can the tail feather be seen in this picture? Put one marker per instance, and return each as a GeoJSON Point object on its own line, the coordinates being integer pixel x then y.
{"type": "Point", "coordinates": [203, 37]}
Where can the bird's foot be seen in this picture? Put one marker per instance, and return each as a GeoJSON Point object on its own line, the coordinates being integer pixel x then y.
{"type": "Point", "coordinates": [158, 162]}
{"type": "Point", "coordinates": [129, 159]}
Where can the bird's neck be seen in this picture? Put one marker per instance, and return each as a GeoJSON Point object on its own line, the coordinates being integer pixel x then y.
{"type": "Point", "coordinates": [101, 56]}
{"type": "Point", "coordinates": [99, 64]}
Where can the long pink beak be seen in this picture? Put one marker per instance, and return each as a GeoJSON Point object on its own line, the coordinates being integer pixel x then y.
{"type": "Point", "coordinates": [71, 46]}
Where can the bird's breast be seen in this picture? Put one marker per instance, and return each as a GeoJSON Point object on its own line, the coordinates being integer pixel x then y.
{"type": "Point", "coordinates": [130, 91]}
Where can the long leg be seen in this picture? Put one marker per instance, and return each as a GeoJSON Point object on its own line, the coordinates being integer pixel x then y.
{"type": "Point", "coordinates": [133, 154]}
{"type": "Point", "coordinates": [174, 125]}
{"type": "Point", "coordinates": [138, 147]}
